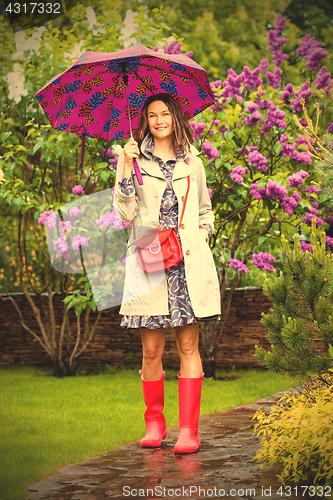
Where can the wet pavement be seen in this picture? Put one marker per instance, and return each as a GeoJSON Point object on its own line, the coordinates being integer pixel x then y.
{"type": "Point", "coordinates": [223, 467]}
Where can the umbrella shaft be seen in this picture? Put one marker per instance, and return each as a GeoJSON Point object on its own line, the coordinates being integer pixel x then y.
{"type": "Point", "coordinates": [128, 110]}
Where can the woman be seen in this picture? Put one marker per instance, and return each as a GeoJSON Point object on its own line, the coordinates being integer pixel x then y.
{"type": "Point", "coordinates": [183, 296]}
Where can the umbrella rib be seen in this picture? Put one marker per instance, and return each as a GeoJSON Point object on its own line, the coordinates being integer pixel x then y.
{"type": "Point", "coordinates": [173, 73]}
{"type": "Point", "coordinates": [144, 83]}
{"type": "Point", "coordinates": [113, 98]}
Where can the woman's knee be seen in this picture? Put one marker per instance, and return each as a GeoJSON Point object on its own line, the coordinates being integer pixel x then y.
{"type": "Point", "coordinates": [152, 354]}
{"type": "Point", "coordinates": [187, 347]}
{"type": "Point", "coordinates": [152, 348]}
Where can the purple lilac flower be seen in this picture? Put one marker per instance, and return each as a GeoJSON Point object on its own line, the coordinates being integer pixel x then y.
{"type": "Point", "coordinates": [304, 93]}
{"type": "Point", "coordinates": [306, 246]}
{"type": "Point", "coordinates": [107, 152]}
{"type": "Point", "coordinates": [210, 192]}
{"type": "Point", "coordinates": [287, 148]}
{"type": "Point", "coordinates": [307, 46]}
{"type": "Point", "coordinates": [62, 247]}
{"type": "Point", "coordinates": [52, 220]}
{"type": "Point", "coordinates": [302, 140]}
{"type": "Point", "coordinates": [244, 151]}
{"type": "Point", "coordinates": [111, 218]}
{"type": "Point", "coordinates": [123, 259]}
{"type": "Point", "coordinates": [78, 190]}
{"type": "Point", "coordinates": [113, 162]}
{"type": "Point", "coordinates": [237, 264]}
{"type": "Point", "coordinates": [236, 174]}
{"type": "Point", "coordinates": [198, 129]}
{"type": "Point", "coordinates": [263, 104]}
{"type": "Point", "coordinates": [274, 118]}
{"type": "Point", "coordinates": [311, 50]}
{"type": "Point", "coordinates": [313, 189]}
{"type": "Point", "coordinates": [303, 122]}
{"type": "Point", "coordinates": [263, 65]}
{"type": "Point", "coordinates": [312, 215]}
{"type": "Point", "coordinates": [65, 227]}
{"type": "Point", "coordinates": [295, 180]}
{"type": "Point", "coordinates": [323, 80]}
{"type": "Point", "coordinates": [330, 128]}
{"type": "Point", "coordinates": [43, 216]}
{"type": "Point", "coordinates": [232, 84]}
{"type": "Point", "coordinates": [273, 79]}
{"type": "Point", "coordinates": [252, 107]}
{"type": "Point", "coordinates": [174, 48]}
{"type": "Point", "coordinates": [256, 192]}
{"type": "Point", "coordinates": [215, 85]}
{"type": "Point", "coordinates": [262, 259]}
{"type": "Point", "coordinates": [209, 150]}
{"type": "Point", "coordinates": [329, 241]}
{"type": "Point", "coordinates": [287, 93]}
{"type": "Point", "coordinates": [315, 58]}
{"type": "Point", "coordinates": [79, 241]}
{"type": "Point", "coordinates": [328, 220]}
{"type": "Point", "coordinates": [223, 129]}
{"type": "Point", "coordinates": [290, 202]}
{"type": "Point", "coordinates": [301, 156]}
{"type": "Point", "coordinates": [253, 119]}
{"type": "Point", "coordinates": [250, 78]}
{"type": "Point", "coordinates": [274, 191]}
{"type": "Point", "coordinates": [258, 160]}
{"type": "Point", "coordinates": [74, 211]}
{"type": "Point", "coordinates": [275, 43]}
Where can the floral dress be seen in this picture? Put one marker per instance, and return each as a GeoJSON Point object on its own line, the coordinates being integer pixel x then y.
{"type": "Point", "coordinates": [180, 308]}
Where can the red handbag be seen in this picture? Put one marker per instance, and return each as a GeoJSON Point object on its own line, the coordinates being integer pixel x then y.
{"type": "Point", "coordinates": [161, 250]}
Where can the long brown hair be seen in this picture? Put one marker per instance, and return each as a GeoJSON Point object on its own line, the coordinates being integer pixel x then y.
{"type": "Point", "coordinates": [182, 131]}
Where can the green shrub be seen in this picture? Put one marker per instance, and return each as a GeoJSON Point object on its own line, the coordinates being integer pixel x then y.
{"type": "Point", "coordinates": [297, 435]}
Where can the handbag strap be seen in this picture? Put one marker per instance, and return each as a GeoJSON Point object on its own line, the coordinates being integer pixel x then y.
{"type": "Point", "coordinates": [186, 195]}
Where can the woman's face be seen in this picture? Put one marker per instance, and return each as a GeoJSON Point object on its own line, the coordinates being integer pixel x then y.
{"type": "Point", "coordinates": [159, 120]}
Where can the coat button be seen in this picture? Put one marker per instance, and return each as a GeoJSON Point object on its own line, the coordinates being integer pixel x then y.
{"type": "Point", "coordinates": [182, 226]}
{"type": "Point", "coordinates": [183, 198]}
{"type": "Point", "coordinates": [188, 252]}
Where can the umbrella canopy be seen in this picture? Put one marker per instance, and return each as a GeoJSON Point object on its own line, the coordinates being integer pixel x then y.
{"type": "Point", "coordinates": [90, 97]}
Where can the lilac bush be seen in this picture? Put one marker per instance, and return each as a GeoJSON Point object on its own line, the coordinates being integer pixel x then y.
{"type": "Point", "coordinates": [259, 162]}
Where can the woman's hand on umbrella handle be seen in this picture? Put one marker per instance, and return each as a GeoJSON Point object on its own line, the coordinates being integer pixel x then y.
{"type": "Point", "coordinates": [131, 152]}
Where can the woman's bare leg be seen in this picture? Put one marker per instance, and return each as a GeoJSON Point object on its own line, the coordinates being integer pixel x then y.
{"type": "Point", "coordinates": [153, 342]}
{"type": "Point", "coordinates": [187, 341]}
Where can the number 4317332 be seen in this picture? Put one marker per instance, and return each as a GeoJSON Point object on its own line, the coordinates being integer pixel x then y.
{"type": "Point", "coordinates": [31, 8]}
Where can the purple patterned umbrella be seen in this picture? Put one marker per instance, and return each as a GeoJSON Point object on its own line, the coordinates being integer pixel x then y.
{"type": "Point", "coordinates": [102, 93]}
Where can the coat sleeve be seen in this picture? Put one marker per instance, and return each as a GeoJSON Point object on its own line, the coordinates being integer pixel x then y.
{"type": "Point", "coordinates": [126, 206]}
{"type": "Point", "coordinates": [206, 214]}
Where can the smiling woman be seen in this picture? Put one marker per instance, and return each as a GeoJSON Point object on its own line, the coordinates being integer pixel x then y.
{"type": "Point", "coordinates": [173, 196]}
{"type": "Point", "coordinates": [159, 120]}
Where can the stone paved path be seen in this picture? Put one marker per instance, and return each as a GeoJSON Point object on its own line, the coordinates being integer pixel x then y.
{"type": "Point", "coordinates": [222, 467]}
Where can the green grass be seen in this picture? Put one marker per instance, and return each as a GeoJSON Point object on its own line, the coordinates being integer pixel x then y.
{"type": "Point", "coordinates": [48, 422]}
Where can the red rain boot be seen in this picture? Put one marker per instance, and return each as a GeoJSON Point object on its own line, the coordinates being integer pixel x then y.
{"type": "Point", "coordinates": [153, 393]}
{"type": "Point", "coordinates": [189, 410]}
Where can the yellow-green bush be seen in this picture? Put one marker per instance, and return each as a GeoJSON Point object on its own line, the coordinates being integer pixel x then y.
{"type": "Point", "coordinates": [297, 435]}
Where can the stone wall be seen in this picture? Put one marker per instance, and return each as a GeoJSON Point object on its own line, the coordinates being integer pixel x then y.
{"type": "Point", "coordinates": [115, 345]}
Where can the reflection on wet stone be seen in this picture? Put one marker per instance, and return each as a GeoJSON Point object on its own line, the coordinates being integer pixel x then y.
{"type": "Point", "coordinates": [223, 462]}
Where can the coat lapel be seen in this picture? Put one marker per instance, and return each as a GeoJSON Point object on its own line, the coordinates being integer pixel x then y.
{"type": "Point", "coordinates": [150, 167]}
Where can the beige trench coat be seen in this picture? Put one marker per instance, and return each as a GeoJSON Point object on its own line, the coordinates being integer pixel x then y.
{"type": "Point", "coordinates": [147, 295]}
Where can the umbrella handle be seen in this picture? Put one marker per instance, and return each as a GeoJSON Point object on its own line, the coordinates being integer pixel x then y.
{"type": "Point", "coordinates": [137, 172]}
